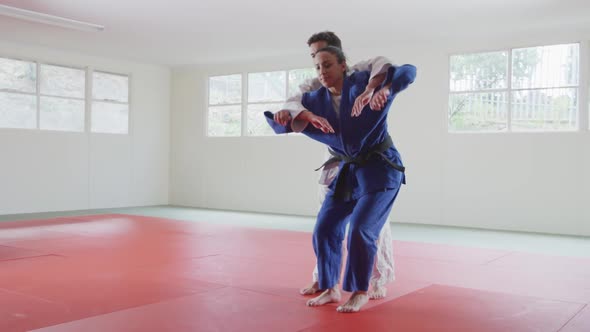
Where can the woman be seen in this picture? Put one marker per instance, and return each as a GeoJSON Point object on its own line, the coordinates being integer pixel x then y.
{"type": "Point", "coordinates": [370, 175]}
{"type": "Point", "coordinates": [383, 268]}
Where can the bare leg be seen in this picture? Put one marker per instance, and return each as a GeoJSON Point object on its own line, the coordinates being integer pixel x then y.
{"type": "Point", "coordinates": [355, 302]}
{"type": "Point", "coordinates": [328, 296]}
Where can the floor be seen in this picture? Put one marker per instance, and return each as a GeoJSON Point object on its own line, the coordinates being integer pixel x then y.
{"type": "Point", "coordinates": [180, 269]}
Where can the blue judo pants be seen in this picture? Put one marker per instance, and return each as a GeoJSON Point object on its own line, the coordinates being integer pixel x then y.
{"type": "Point", "coordinates": [367, 216]}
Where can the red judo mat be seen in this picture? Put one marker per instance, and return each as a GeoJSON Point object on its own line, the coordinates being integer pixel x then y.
{"type": "Point", "coordinates": [132, 273]}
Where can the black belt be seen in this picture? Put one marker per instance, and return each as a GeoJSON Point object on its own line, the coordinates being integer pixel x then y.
{"type": "Point", "coordinates": [341, 191]}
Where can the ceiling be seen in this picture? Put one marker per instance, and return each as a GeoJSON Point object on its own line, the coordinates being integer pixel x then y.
{"type": "Point", "coordinates": [178, 32]}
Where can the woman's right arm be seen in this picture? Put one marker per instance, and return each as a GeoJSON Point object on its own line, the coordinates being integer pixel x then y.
{"type": "Point", "coordinates": [316, 121]}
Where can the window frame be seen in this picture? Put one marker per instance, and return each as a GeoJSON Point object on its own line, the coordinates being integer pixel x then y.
{"type": "Point", "coordinates": [33, 94]}
{"type": "Point", "coordinates": [582, 106]}
{"type": "Point", "coordinates": [88, 100]}
{"type": "Point", "coordinates": [208, 104]}
{"type": "Point", "coordinates": [245, 102]}
{"type": "Point", "coordinates": [90, 97]}
{"type": "Point", "coordinates": [40, 95]}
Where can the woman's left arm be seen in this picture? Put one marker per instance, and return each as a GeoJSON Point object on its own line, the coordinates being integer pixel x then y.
{"type": "Point", "coordinates": [378, 68]}
{"type": "Point", "coordinates": [396, 81]}
{"type": "Point", "coordinates": [364, 98]}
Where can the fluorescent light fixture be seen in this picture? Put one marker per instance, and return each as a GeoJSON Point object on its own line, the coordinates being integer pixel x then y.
{"type": "Point", "coordinates": [29, 15]}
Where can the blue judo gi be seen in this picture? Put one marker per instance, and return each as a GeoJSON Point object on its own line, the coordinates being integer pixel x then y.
{"type": "Point", "coordinates": [370, 176]}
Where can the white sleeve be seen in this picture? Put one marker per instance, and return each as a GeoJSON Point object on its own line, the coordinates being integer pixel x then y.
{"type": "Point", "coordinates": [376, 66]}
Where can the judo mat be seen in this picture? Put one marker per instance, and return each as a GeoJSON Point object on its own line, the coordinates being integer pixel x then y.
{"type": "Point", "coordinates": [119, 272]}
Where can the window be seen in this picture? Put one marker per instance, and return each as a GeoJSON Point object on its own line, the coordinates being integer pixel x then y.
{"type": "Point", "coordinates": [18, 94]}
{"type": "Point", "coordinates": [42, 96]}
{"type": "Point", "coordinates": [62, 98]}
{"type": "Point", "coordinates": [267, 91]}
{"type": "Point", "coordinates": [225, 106]}
{"type": "Point", "coordinates": [110, 103]}
{"type": "Point", "coordinates": [526, 89]}
{"type": "Point", "coordinates": [297, 77]}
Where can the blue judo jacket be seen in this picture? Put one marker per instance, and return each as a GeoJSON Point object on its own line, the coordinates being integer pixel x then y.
{"type": "Point", "coordinates": [356, 136]}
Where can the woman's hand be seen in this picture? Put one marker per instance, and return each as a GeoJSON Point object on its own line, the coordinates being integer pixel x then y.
{"type": "Point", "coordinates": [282, 117]}
{"type": "Point", "coordinates": [380, 98]}
{"type": "Point", "coordinates": [317, 121]}
{"type": "Point", "coordinates": [361, 101]}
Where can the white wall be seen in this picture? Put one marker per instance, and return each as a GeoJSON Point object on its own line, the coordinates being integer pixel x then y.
{"type": "Point", "coordinates": [239, 173]}
{"type": "Point", "coordinates": [54, 171]}
{"type": "Point", "coordinates": [528, 182]}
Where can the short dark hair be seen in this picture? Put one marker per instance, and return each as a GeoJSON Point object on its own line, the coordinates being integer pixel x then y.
{"type": "Point", "coordinates": [326, 36]}
{"type": "Point", "coordinates": [337, 52]}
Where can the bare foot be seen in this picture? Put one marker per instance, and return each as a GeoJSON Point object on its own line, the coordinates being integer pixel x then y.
{"type": "Point", "coordinates": [355, 302]}
{"type": "Point", "coordinates": [310, 289]}
{"type": "Point", "coordinates": [377, 292]}
{"type": "Point", "coordinates": [328, 296]}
